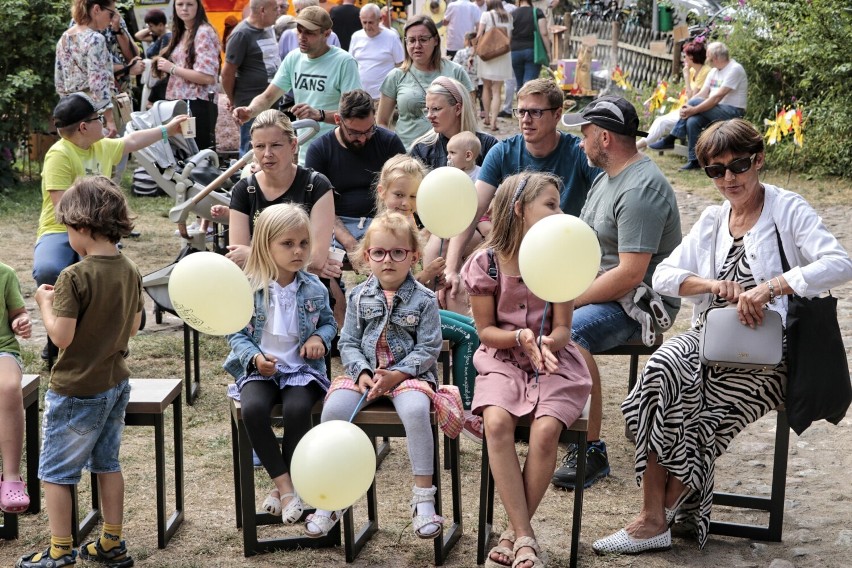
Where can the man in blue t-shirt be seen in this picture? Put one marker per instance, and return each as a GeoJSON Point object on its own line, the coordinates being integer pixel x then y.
{"type": "Point", "coordinates": [540, 147]}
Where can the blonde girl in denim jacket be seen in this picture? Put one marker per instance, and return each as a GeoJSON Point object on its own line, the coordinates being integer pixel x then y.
{"type": "Point", "coordinates": [390, 344]}
{"type": "Point", "coordinates": [280, 356]}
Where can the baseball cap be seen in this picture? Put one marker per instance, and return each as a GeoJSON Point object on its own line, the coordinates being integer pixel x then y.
{"type": "Point", "coordinates": [609, 112]}
{"type": "Point", "coordinates": [313, 18]}
{"type": "Point", "coordinates": [74, 108]}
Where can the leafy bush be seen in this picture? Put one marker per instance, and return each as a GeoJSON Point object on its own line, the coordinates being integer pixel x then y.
{"type": "Point", "coordinates": [796, 51]}
{"type": "Point", "coordinates": [29, 30]}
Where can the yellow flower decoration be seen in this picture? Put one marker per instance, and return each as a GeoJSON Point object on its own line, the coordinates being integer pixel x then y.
{"type": "Point", "coordinates": [798, 128]}
{"type": "Point", "coordinates": [786, 121]}
{"type": "Point", "coordinates": [620, 79]}
{"type": "Point", "coordinates": [658, 99]}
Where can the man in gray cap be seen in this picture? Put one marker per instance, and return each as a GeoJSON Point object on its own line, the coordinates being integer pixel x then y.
{"type": "Point", "coordinates": [318, 74]}
{"type": "Point", "coordinates": [634, 213]}
{"type": "Point", "coordinates": [81, 150]}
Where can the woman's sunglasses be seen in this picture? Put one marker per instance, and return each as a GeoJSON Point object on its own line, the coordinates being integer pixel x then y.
{"type": "Point", "coordinates": [738, 166]}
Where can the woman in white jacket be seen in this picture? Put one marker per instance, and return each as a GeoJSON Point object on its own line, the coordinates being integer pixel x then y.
{"type": "Point", "coordinates": [682, 413]}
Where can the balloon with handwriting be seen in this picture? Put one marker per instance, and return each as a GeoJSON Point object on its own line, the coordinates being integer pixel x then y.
{"type": "Point", "coordinates": [559, 258]}
{"type": "Point", "coordinates": [211, 293]}
{"type": "Point", "coordinates": [333, 465]}
{"type": "Point", "coordinates": [446, 202]}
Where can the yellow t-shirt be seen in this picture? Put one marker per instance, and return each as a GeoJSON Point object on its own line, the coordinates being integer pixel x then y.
{"type": "Point", "coordinates": [63, 164]}
{"type": "Point", "coordinates": [698, 78]}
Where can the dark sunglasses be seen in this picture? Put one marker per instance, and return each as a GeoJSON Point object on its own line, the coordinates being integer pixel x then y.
{"type": "Point", "coordinates": [738, 166]}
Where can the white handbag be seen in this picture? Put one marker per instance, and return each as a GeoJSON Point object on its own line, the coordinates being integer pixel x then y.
{"type": "Point", "coordinates": [726, 342]}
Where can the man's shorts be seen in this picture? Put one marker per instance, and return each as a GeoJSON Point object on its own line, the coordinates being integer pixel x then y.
{"type": "Point", "coordinates": [82, 432]}
{"type": "Point", "coordinates": [598, 327]}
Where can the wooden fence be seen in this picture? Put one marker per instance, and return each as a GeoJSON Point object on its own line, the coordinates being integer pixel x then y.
{"type": "Point", "coordinates": [641, 66]}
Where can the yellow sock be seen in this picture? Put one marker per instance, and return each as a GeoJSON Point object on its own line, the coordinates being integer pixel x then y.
{"type": "Point", "coordinates": [60, 546]}
{"type": "Point", "coordinates": [110, 536]}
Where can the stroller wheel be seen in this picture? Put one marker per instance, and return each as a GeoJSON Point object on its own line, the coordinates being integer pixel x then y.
{"type": "Point", "coordinates": [144, 320]}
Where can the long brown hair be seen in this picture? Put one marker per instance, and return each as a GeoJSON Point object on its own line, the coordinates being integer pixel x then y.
{"type": "Point", "coordinates": [179, 28]}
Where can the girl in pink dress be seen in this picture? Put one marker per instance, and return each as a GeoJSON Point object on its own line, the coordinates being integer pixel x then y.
{"type": "Point", "coordinates": [508, 317]}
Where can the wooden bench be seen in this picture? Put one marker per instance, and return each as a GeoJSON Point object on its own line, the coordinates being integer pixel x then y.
{"type": "Point", "coordinates": [29, 391]}
{"type": "Point", "coordinates": [678, 150]}
{"type": "Point", "coordinates": [576, 434]}
{"type": "Point", "coordinates": [149, 399]}
{"type": "Point", "coordinates": [247, 516]}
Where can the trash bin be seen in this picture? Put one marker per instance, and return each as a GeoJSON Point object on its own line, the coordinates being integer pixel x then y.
{"type": "Point", "coordinates": [665, 18]}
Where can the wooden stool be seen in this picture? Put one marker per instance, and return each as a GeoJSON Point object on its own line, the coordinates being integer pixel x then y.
{"type": "Point", "coordinates": [149, 399]}
{"type": "Point", "coordinates": [774, 504]}
{"type": "Point", "coordinates": [29, 391]}
{"type": "Point", "coordinates": [381, 420]}
{"type": "Point", "coordinates": [244, 496]}
{"type": "Point", "coordinates": [577, 434]}
{"type": "Point", "coordinates": [634, 349]}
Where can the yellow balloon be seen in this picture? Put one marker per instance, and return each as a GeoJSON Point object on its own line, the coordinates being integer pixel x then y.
{"type": "Point", "coordinates": [333, 465]}
{"type": "Point", "coordinates": [559, 257]}
{"type": "Point", "coordinates": [446, 202]}
{"type": "Point", "coordinates": [211, 293]}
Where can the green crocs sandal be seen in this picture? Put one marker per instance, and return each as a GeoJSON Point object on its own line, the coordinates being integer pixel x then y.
{"type": "Point", "coordinates": [45, 561]}
{"type": "Point", "coordinates": [115, 558]}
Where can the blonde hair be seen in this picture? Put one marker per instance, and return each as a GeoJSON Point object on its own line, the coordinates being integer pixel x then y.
{"type": "Point", "coordinates": [508, 229]}
{"type": "Point", "coordinates": [273, 222]}
{"type": "Point", "coordinates": [469, 142]}
{"type": "Point", "coordinates": [399, 167]}
{"type": "Point", "coordinates": [392, 222]}
{"type": "Point", "coordinates": [454, 93]}
{"type": "Point", "coordinates": [274, 118]}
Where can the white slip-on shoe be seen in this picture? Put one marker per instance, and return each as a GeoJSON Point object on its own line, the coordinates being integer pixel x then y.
{"type": "Point", "coordinates": [623, 543]}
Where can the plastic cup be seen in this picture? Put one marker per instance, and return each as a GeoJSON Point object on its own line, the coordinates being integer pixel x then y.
{"type": "Point", "coordinates": [187, 127]}
{"type": "Point", "coordinates": [336, 254]}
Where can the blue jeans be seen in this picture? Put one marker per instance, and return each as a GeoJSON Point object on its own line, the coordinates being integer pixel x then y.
{"type": "Point", "coordinates": [692, 126]}
{"type": "Point", "coordinates": [598, 327]}
{"type": "Point", "coordinates": [245, 138]}
{"type": "Point", "coordinates": [82, 432]}
{"type": "Point", "coordinates": [356, 226]}
{"type": "Point", "coordinates": [523, 64]}
{"type": "Point", "coordinates": [52, 254]}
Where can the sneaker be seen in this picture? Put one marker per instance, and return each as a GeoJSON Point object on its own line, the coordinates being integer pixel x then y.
{"type": "Point", "coordinates": [472, 427]}
{"type": "Point", "coordinates": [597, 466]}
{"type": "Point", "coordinates": [114, 558]}
{"type": "Point", "coordinates": [666, 143]}
{"type": "Point", "coordinates": [690, 165]}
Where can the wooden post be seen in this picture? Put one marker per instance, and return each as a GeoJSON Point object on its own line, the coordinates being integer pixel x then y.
{"type": "Point", "coordinates": [613, 52]}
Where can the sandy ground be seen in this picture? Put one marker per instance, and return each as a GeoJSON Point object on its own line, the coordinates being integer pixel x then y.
{"type": "Point", "coordinates": [818, 505]}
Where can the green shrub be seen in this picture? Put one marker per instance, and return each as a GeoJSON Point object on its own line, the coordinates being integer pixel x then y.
{"type": "Point", "coordinates": [29, 30]}
{"type": "Point", "coordinates": [796, 51]}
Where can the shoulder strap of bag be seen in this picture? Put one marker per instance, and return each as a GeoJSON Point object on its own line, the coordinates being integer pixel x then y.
{"type": "Point", "coordinates": [251, 189]}
{"type": "Point", "coordinates": [785, 266]}
{"type": "Point", "coordinates": [492, 264]}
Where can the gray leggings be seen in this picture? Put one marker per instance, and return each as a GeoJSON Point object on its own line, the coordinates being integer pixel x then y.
{"type": "Point", "coordinates": [413, 408]}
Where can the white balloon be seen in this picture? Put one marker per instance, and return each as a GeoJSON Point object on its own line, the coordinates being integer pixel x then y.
{"type": "Point", "coordinates": [559, 258]}
{"type": "Point", "coordinates": [333, 465]}
{"type": "Point", "coordinates": [446, 201]}
{"type": "Point", "coordinates": [211, 293]}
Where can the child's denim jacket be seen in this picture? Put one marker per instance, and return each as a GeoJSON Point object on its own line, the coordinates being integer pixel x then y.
{"type": "Point", "coordinates": [412, 328]}
{"type": "Point", "coordinates": [315, 318]}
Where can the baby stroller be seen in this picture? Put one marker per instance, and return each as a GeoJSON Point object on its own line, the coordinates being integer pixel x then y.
{"type": "Point", "coordinates": [195, 181]}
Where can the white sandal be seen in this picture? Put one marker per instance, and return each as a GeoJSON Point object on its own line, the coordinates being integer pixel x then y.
{"type": "Point", "coordinates": [272, 504]}
{"type": "Point", "coordinates": [424, 495]}
{"type": "Point", "coordinates": [509, 535]}
{"type": "Point", "coordinates": [534, 557]}
{"type": "Point", "coordinates": [323, 522]}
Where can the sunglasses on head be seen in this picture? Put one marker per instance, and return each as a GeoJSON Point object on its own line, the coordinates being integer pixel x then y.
{"type": "Point", "coordinates": [738, 166]}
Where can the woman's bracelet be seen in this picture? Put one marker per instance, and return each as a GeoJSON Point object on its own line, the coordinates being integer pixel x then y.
{"type": "Point", "coordinates": [771, 291]}
{"type": "Point", "coordinates": [165, 134]}
{"type": "Point", "coordinates": [518, 336]}
{"type": "Point", "coordinates": [780, 286]}
{"type": "Point", "coordinates": [172, 70]}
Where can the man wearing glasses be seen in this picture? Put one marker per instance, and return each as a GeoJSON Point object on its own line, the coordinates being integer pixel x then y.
{"type": "Point", "coordinates": [541, 148]}
{"type": "Point", "coordinates": [81, 150]}
{"type": "Point", "coordinates": [351, 156]}
{"type": "Point", "coordinates": [633, 210]}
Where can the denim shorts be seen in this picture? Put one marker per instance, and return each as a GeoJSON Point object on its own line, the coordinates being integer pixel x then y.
{"type": "Point", "coordinates": [598, 327]}
{"type": "Point", "coordinates": [16, 357]}
{"type": "Point", "coordinates": [356, 226]}
{"type": "Point", "coordinates": [82, 432]}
